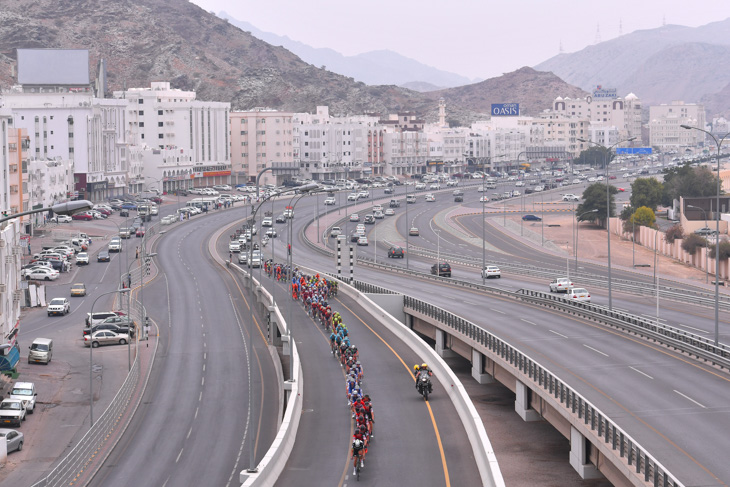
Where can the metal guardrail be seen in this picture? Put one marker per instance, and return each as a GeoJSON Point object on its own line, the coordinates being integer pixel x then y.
{"type": "Point", "coordinates": [604, 429]}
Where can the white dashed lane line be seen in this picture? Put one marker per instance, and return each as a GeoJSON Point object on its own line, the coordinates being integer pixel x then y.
{"type": "Point", "coordinates": [690, 399]}
{"type": "Point", "coordinates": [642, 373]}
{"type": "Point", "coordinates": [597, 351]}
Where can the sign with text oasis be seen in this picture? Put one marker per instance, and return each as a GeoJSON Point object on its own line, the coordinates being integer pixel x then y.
{"type": "Point", "coordinates": [505, 109]}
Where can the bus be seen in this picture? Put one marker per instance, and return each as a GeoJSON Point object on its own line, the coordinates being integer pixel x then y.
{"type": "Point", "coordinates": [202, 203]}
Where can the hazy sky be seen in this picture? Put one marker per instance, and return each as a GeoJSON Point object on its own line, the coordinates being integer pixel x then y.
{"type": "Point", "coordinates": [474, 38]}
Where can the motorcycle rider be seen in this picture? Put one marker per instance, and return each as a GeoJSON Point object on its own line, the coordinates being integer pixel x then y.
{"type": "Point", "coordinates": [421, 371]}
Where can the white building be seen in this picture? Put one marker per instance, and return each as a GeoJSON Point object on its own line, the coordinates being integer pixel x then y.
{"type": "Point", "coordinates": [665, 123]}
{"type": "Point", "coordinates": [180, 141]}
{"type": "Point", "coordinates": [406, 152]}
{"type": "Point", "coordinates": [604, 110]}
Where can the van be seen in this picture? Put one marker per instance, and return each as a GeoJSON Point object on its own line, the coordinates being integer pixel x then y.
{"type": "Point", "coordinates": [41, 350]}
{"type": "Point", "coordinates": [100, 316]}
{"type": "Point", "coordinates": [411, 198]}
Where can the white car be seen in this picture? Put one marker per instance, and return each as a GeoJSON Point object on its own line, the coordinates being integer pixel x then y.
{"type": "Point", "coordinates": [234, 246]}
{"type": "Point", "coordinates": [58, 306]}
{"type": "Point", "coordinates": [420, 186]}
{"type": "Point", "coordinates": [516, 193]}
{"type": "Point", "coordinates": [363, 194]}
{"type": "Point", "coordinates": [352, 197]}
{"type": "Point", "coordinates": [389, 212]}
{"type": "Point", "coordinates": [271, 233]}
{"type": "Point", "coordinates": [578, 294]}
{"type": "Point", "coordinates": [267, 222]}
{"type": "Point", "coordinates": [61, 219]}
{"type": "Point", "coordinates": [354, 217]}
{"type": "Point", "coordinates": [42, 274]}
{"type": "Point", "coordinates": [222, 187]}
{"type": "Point", "coordinates": [82, 258]}
{"type": "Point", "coordinates": [560, 285]}
{"type": "Point", "coordinates": [363, 240]}
{"type": "Point", "coordinates": [483, 199]}
{"type": "Point", "coordinates": [377, 208]}
{"type": "Point", "coordinates": [491, 271]}
{"type": "Point", "coordinates": [435, 186]}
{"type": "Point", "coordinates": [330, 201]}
{"type": "Point", "coordinates": [520, 183]}
{"type": "Point", "coordinates": [570, 197]}
{"type": "Point", "coordinates": [378, 215]}
{"type": "Point", "coordinates": [481, 189]}
{"type": "Point", "coordinates": [12, 412]}
{"type": "Point", "coordinates": [24, 391]}
{"type": "Point", "coordinates": [335, 232]}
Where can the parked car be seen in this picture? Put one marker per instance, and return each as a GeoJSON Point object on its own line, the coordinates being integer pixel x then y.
{"type": "Point", "coordinates": [105, 337]}
{"type": "Point", "coordinates": [24, 391]}
{"type": "Point", "coordinates": [42, 274]}
{"type": "Point", "coordinates": [442, 269]}
{"type": "Point", "coordinates": [396, 252]}
{"type": "Point", "coordinates": [413, 232]}
{"type": "Point", "coordinates": [103, 256]}
{"type": "Point", "coordinates": [58, 306]}
{"type": "Point", "coordinates": [12, 412]}
{"type": "Point", "coordinates": [78, 289]}
{"type": "Point", "coordinates": [13, 438]}
{"type": "Point", "coordinates": [61, 219]}
{"type": "Point", "coordinates": [578, 294]}
{"type": "Point", "coordinates": [531, 218]}
{"type": "Point", "coordinates": [100, 316]}
{"type": "Point", "coordinates": [560, 285]}
{"type": "Point", "coordinates": [491, 271]}
{"type": "Point", "coordinates": [83, 216]}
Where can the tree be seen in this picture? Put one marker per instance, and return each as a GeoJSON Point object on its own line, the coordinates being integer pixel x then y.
{"type": "Point", "coordinates": [594, 198]}
{"type": "Point", "coordinates": [692, 242]}
{"type": "Point", "coordinates": [724, 250]}
{"type": "Point", "coordinates": [594, 156]}
{"type": "Point", "coordinates": [642, 217]}
{"type": "Point", "coordinates": [646, 192]}
{"type": "Point", "coordinates": [688, 182]}
{"type": "Point", "coordinates": [675, 232]}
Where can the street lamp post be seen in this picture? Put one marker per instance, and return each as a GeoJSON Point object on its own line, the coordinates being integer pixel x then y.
{"type": "Point", "coordinates": [707, 250]}
{"type": "Point", "coordinates": [717, 228]}
{"type": "Point", "coordinates": [608, 206]}
{"type": "Point", "coordinates": [68, 208]}
{"type": "Point", "coordinates": [91, 353]}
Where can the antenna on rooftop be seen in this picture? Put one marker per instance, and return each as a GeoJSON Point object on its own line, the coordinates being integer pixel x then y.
{"type": "Point", "coordinates": [598, 34]}
{"type": "Point", "coordinates": [620, 27]}
{"type": "Point", "coordinates": [560, 48]}
{"type": "Point", "coordinates": [664, 20]}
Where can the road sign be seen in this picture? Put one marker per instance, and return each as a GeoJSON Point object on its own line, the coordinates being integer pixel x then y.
{"type": "Point", "coordinates": [633, 150]}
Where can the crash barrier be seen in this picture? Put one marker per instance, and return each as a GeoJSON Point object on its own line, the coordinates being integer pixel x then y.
{"type": "Point", "coordinates": [272, 464]}
{"type": "Point", "coordinates": [87, 457]}
{"type": "Point", "coordinates": [481, 447]}
{"type": "Point", "coordinates": [616, 445]}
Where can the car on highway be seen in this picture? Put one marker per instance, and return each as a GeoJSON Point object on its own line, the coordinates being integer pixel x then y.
{"type": "Point", "coordinates": [519, 184]}
{"type": "Point", "coordinates": [516, 193]}
{"type": "Point", "coordinates": [621, 190]}
{"type": "Point", "coordinates": [483, 199]}
{"type": "Point", "coordinates": [442, 269]}
{"type": "Point", "coordinates": [12, 412]}
{"type": "Point", "coordinates": [363, 194]}
{"type": "Point", "coordinates": [61, 219]}
{"type": "Point", "coordinates": [411, 198]}
{"type": "Point", "coordinates": [435, 186]}
{"type": "Point", "coordinates": [78, 289]}
{"type": "Point", "coordinates": [103, 256]}
{"type": "Point", "coordinates": [140, 232]}
{"type": "Point", "coordinates": [420, 186]}
{"type": "Point", "coordinates": [13, 439]}
{"type": "Point", "coordinates": [115, 244]}
{"type": "Point", "coordinates": [330, 201]}
{"type": "Point", "coordinates": [531, 218]}
{"type": "Point", "coordinates": [267, 222]}
{"type": "Point", "coordinates": [24, 391]}
{"type": "Point", "coordinates": [491, 271]}
{"type": "Point", "coordinates": [430, 197]}
{"type": "Point", "coordinates": [413, 232]}
{"type": "Point", "coordinates": [578, 294]}
{"type": "Point", "coordinates": [58, 306]}
{"type": "Point", "coordinates": [560, 285]}
{"type": "Point", "coordinates": [82, 258]}
{"type": "Point", "coordinates": [396, 252]}
{"type": "Point", "coordinates": [105, 337]}
{"type": "Point", "coordinates": [570, 197]}
{"type": "Point", "coordinates": [389, 212]}
{"type": "Point", "coordinates": [378, 215]}
{"type": "Point", "coordinates": [234, 246]}
{"type": "Point", "coordinates": [352, 197]}
{"type": "Point", "coordinates": [354, 217]}
{"type": "Point", "coordinates": [369, 219]}
{"type": "Point", "coordinates": [362, 240]}
{"type": "Point", "coordinates": [335, 232]}
{"type": "Point", "coordinates": [42, 274]}
{"type": "Point", "coordinates": [271, 233]}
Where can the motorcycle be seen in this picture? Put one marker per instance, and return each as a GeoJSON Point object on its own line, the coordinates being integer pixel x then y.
{"type": "Point", "coordinates": [423, 385]}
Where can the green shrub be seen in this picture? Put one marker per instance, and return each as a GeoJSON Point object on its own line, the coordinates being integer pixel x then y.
{"type": "Point", "coordinates": [692, 242]}
{"type": "Point", "coordinates": [674, 233]}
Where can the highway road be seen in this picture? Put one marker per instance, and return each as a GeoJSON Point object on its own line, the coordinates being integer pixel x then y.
{"type": "Point", "coordinates": [194, 427]}
{"type": "Point", "coordinates": [643, 387]}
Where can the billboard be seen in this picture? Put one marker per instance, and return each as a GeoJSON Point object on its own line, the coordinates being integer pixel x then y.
{"type": "Point", "coordinates": [53, 67]}
{"type": "Point", "coordinates": [505, 109]}
{"type": "Point", "coordinates": [634, 150]}
{"type": "Point", "coordinates": [604, 93]}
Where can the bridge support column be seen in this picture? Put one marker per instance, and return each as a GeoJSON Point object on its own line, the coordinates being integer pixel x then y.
{"type": "Point", "coordinates": [286, 349]}
{"type": "Point", "coordinates": [477, 367]}
{"type": "Point", "coordinates": [522, 403]}
{"type": "Point", "coordinates": [579, 456]}
{"type": "Point", "coordinates": [274, 335]}
{"type": "Point", "coordinates": [441, 349]}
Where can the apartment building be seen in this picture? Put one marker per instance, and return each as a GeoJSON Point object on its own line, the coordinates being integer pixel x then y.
{"type": "Point", "coordinates": [665, 123]}
{"type": "Point", "coordinates": [180, 141]}
{"type": "Point", "coordinates": [260, 138]}
{"type": "Point", "coordinates": [604, 109]}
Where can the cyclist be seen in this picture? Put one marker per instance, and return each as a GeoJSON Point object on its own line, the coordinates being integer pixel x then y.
{"type": "Point", "coordinates": [333, 342]}
{"type": "Point", "coordinates": [358, 448]}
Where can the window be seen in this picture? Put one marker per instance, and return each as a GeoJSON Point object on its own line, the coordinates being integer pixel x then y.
{"type": "Point", "coordinates": [141, 101]}
{"type": "Point", "coordinates": [159, 136]}
{"type": "Point", "coordinates": [141, 112]}
{"type": "Point", "coordinates": [143, 136]}
{"type": "Point", "coordinates": [243, 132]}
{"type": "Point", "coordinates": [141, 124]}
{"type": "Point", "coordinates": [159, 112]}
{"type": "Point", "coordinates": [159, 124]}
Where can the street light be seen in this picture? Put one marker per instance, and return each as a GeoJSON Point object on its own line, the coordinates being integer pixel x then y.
{"type": "Point", "coordinates": [68, 208]}
{"type": "Point", "coordinates": [91, 353]}
{"type": "Point", "coordinates": [577, 227]}
{"type": "Point", "coordinates": [707, 249]}
{"type": "Point", "coordinates": [717, 227]}
{"type": "Point", "coordinates": [608, 205]}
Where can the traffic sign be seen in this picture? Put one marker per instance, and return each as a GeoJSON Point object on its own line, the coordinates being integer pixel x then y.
{"type": "Point", "coordinates": [633, 150]}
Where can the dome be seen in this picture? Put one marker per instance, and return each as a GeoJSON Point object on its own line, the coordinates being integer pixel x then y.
{"type": "Point", "coordinates": [631, 96]}
{"type": "Point", "coordinates": [559, 98]}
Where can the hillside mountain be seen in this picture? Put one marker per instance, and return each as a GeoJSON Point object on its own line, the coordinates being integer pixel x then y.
{"type": "Point", "coordinates": [659, 65]}
{"type": "Point", "coordinates": [381, 67]}
{"type": "Point", "coordinates": [176, 41]}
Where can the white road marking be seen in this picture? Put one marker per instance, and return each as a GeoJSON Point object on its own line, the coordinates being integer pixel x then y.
{"type": "Point", "coordinates": [597, 351]}
{"type": "Point", "coordinates": [205, 355]}
{"type": "Point", "coordinates": [189, 431]}
{"type": "Point", "coordinates": [196, 412]}
{"type": "Point", "coordinates": [469, 302]}
{"type": "Point", "coordinates": [690, 399]}
{"type": "Point", "coordinates": [497, 311]}
{"type": "Point", "coordinates": [200, 397]}
{"type": "Point", "coordinates": [530, 322]}
{"type": "Point", "coordinates": [179, 455]}
{"type": "Point", "coordinates": [642, 373]}
{"type": "Point", "coordinates": [202, 382]}
{"type": "Point", "coordinates": [693, 328]}
{"type": "Point", "coordinates": [203, 367]}
{"type": "Point", "coordinates": [653, 317]}
{"type": "Point", "coordinates": [559, 334]}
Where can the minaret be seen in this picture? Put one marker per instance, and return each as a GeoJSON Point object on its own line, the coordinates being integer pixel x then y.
{"type": "Point", "coordinates": [442, 113]}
